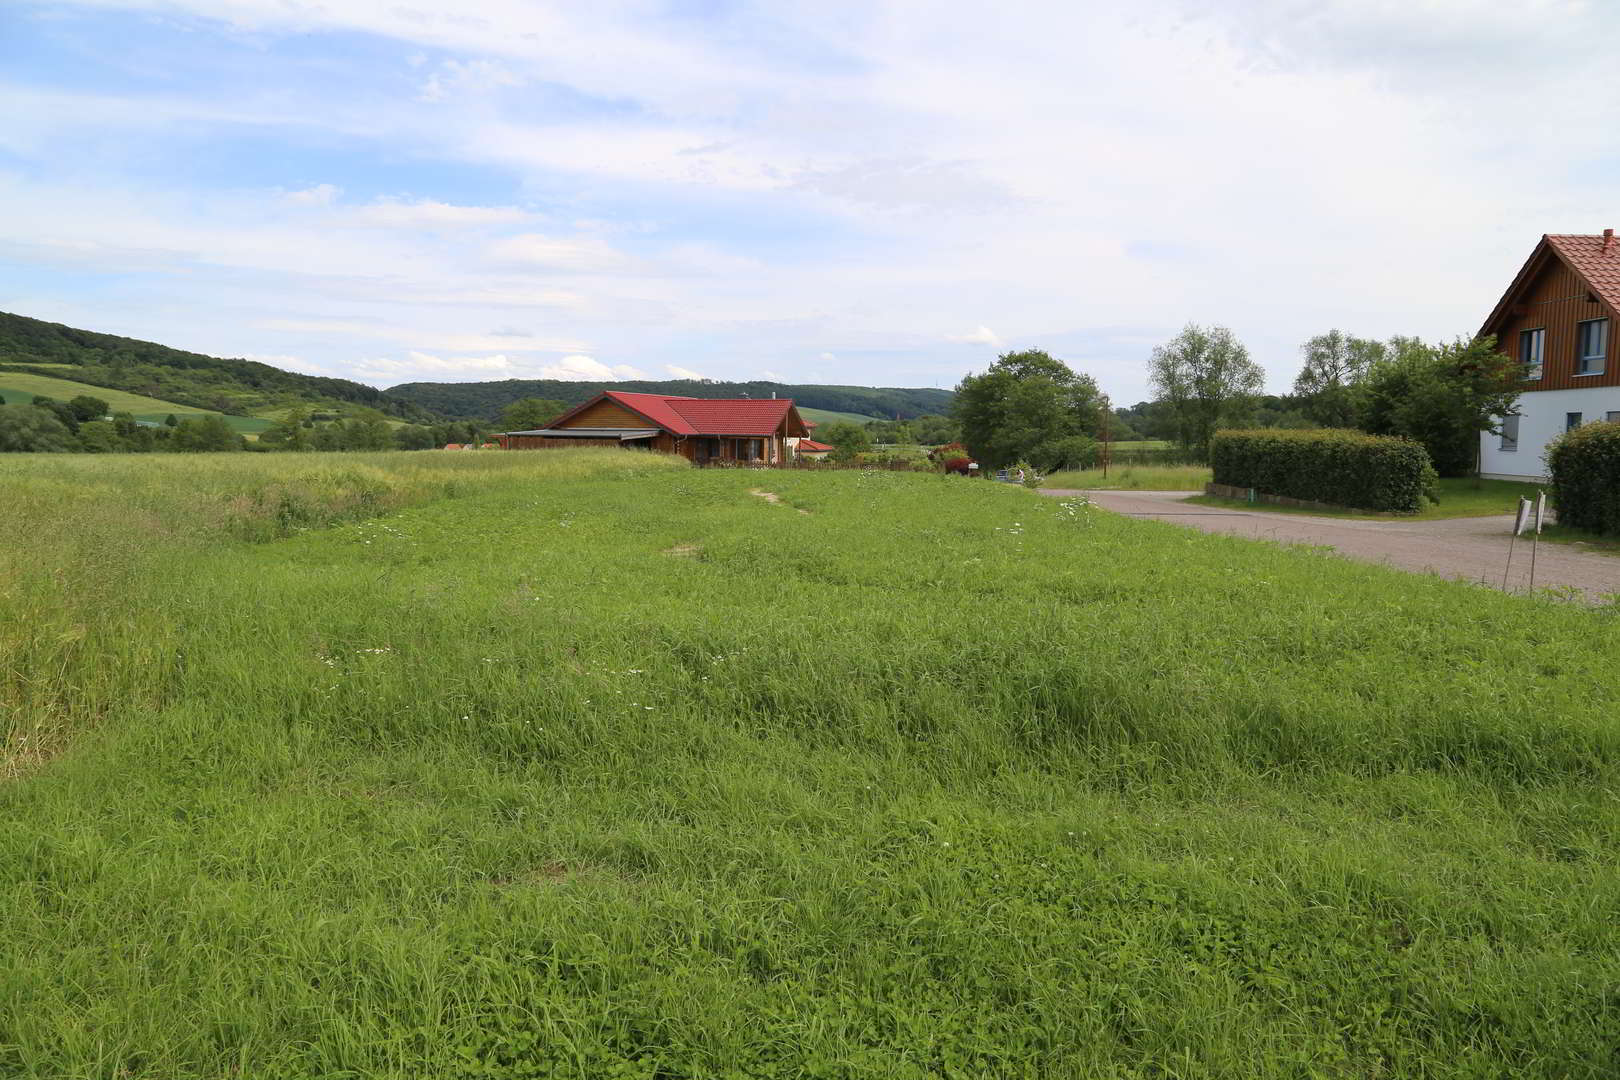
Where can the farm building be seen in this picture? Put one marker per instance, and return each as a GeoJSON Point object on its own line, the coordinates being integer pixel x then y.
{"type": "Point", "coordinates": [703, 430]}
{"type": "Point", "coordinates": [815, 451]}
{"type": "Point", "coordinates": [1557, 318]}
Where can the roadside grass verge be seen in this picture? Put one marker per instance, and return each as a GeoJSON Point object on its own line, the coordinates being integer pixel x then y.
{"type": "Point", "coordinates": [1132, 478]}
{"type": "Point", "coordinates": [1460, 497]}
{"type": "Point", "coordinates": [941, 780]}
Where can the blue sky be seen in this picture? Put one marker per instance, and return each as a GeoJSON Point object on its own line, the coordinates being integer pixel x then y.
{"type": "Point", "coordinates": [874, 192]}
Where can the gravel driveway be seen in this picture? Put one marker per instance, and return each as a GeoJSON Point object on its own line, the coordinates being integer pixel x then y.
{"type": "Point", "coordinates": [1474, 549]}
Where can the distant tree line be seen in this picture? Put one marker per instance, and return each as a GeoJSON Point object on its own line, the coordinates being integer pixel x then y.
{"type": "Point", "coordinates": [487, 400]}
{"type": "Point", "coordinates": [1031, 408]}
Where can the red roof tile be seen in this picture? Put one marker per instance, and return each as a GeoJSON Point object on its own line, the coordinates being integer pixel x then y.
{"type": "Point", "coordinates": [811, 446]}
{"type": "Point", "coordinates": [1600, 267]}
{"type": "Point", "coordinates": [707, 416]}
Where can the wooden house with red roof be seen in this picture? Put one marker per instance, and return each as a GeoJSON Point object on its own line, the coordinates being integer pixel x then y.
{"type": "Point", "coordinates": [702, 430]}
{"type": "Point", "coordinates": [1557, 318]}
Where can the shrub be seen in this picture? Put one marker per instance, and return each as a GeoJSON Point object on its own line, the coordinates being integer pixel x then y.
{"type": "Point", "coordinates": [1585, 467]}
{"type": "Point", "coordinates": [957, 465]}
{"type": "Point", "coordinates": [1331, 465]}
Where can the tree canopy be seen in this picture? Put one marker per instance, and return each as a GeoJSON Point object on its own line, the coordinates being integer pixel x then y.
{"type": "Point", "coordinates": [529, 413]}
{"type": "Point", "coordinates": [1206, 378]}
{"type": "Point", "coordinates": [1030, 407]}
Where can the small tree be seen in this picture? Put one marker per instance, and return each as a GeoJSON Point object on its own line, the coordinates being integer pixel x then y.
{"type": "Point", "coordinates": [1442, 396]}
{"type": "Point", "coordinates": [1328, 384]}
{"type": "Point", "coordinates": [28, 428]}
{"type": "Point", "coordinates": [846, 439]}
{"type": "Point", "coordinates": [527, 414]}
{"type": "Point", "coordinates": [1208, 381]}
{"type": "Point", "coordinates": [87, 408]}
{"type": "Point", "coordinates": [1027, 406]}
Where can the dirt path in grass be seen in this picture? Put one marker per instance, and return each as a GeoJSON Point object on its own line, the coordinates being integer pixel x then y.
{"type": "Point", "coordinates": [1474, 549]}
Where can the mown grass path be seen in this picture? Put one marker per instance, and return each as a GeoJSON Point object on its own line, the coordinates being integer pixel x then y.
{"type": "Point", "coordinates": [596, 767]}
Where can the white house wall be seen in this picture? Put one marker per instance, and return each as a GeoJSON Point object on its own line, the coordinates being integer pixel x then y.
{"type": "Point", "coordinates": [1541, 419]}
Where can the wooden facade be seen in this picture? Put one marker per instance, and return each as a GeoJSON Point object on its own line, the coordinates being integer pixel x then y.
{"type": "Point", "coordinates": [1549, 295]}
{"type": "Point", "coordinates": [704, 431]}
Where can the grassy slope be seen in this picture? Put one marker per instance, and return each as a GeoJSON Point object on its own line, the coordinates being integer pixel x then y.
{"type": "Point", "coordinates": [637, 771]}
{"type": "Point", "coordinates": [828, 416]}
{"type": "Point", "coordinates": [20, 387]}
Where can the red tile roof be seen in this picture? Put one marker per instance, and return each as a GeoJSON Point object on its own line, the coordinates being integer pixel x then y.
{"type": "Point", "coordinates": [1600, 266]}
{"type": "Point", "coordinates": [707, 416]}
{"type": "Point", "coordinates": [811, 446]}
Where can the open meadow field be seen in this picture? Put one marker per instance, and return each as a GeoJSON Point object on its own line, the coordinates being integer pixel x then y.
{"type": "Point", "coordinates": [586, 764]}
{"type": "Point", "coordinates": [1132, 478]}
{"type": "Point", "coordinates": [18, 387]}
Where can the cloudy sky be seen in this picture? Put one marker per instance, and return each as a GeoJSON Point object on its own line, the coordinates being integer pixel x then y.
{"type": "Point", "coordinates": [869, 192]}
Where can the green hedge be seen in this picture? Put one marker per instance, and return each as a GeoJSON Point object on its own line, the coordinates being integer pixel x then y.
{"type": "Point", "coordinates": [1585, 468]}
{"type": "Point", "coordinates": [1330, 465]}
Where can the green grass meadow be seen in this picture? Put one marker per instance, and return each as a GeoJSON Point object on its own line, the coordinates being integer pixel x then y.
{"type": "Point", "coordinates": [587, 764]}
{"type": "Point", "coordinates": [1131, 478]}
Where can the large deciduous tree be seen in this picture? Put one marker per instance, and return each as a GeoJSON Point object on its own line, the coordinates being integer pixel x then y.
{"type": "Point", "coordinates": [530, 413]}
{"type": "Point", "coordinates": [1328, 384]}
{"type": "Point", "coordinates": [1029, 407]}
{"type": "Point", "coordinates": [1442, 396]}
{"type": "Point", "coordinates": [29, 428]}
{"type": "Point", "coordinates": [1207, 380]}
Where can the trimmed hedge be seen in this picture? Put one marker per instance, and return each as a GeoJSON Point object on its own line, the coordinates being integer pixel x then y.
{"type": "Point", "coordinates": [1585, 467]}
{"type": "Point", "coordinates": [1330, 465]}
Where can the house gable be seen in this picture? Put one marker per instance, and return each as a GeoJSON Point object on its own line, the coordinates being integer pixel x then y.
{"type": "Point", "coordinates": [1565, 281]}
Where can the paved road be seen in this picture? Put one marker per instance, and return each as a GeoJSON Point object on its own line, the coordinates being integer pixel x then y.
{"type": "Point", "coordinates": [1474, 549]}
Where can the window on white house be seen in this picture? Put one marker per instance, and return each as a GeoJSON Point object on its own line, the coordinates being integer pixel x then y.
{"type": "Point", "coordinates": [1613, 417]}
{"type": "Point", "coordinates": [1591, 346]}
{"type": "Point", "coordinates": [1510, 433]}
{"type": "Point", "coordinates": [1572, 420]}
{"type": "Point", "coordinates": [1530, 345]}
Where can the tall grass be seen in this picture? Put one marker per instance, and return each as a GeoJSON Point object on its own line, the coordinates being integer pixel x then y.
{"type": "Point", "coordinates": [597, 770]}
{"type": "Point", "coordinates": [1132, 478]}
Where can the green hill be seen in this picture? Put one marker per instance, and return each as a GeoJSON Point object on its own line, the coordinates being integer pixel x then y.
{"type": "Point", "coordinates": [20, 388]}
{"type": "Point", "coordinates": [485, 400]}
{"type": "Point", "coordinates": [238, 388]}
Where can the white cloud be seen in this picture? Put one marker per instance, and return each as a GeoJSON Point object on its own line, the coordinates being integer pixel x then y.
{"type": "Point", "coordinates": [773, 376]}
{"type": "Point", "coordinates": [981, 335]}
{"type": "Point", "coordinates": [456, 77]}
{"type": "Point", "coordinates": [319, 195]}
{"type": "Point", "coordinates": [585, 368]}
{"type": "Point", "coordinates": [580, 253]}
{"type": "Point", "coordinates": [398, 213]}
{"type": "Point", "coordinates": [682, 373]}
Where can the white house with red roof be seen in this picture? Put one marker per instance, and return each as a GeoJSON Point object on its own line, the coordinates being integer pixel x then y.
{"type": "Point", "coordinates": [704, 430]}
{"type": "Point", "coordinates": [1558, 319]}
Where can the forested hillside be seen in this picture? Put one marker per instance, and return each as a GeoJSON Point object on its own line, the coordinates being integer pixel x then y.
{"type": "Point", "coordinates": [238, 387]}
{"type": "Point", "coordinates": [485, 400]}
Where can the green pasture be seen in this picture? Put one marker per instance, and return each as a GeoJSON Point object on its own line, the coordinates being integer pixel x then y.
{"type": "Point", "coordinates": [585, 764]}
{"type": "Point", "coordinates": [19, 388]}
{"type": "Point", "coordinates": [824, 417]}
{"type": "Point", "coordinates": [1132, 478]}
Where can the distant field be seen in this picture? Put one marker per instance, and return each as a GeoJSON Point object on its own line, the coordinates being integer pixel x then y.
{"type": "Point", "coordinates": [827, 416]}
{"type": "Point", "coordinates": [1143, 444]}
{"type": "Point", "coordinates": [19, 388]}
{"type": "Point", "coordinates": [1133, 478]}
{"type": "Point", "coordinates": [586, 764]}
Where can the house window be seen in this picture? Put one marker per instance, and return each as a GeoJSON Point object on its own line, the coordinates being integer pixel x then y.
{"type": "Point", "coordinates": [1510, 432]}
{"type": "Point", "coordinates": [1612, 417]}
{"type": "Point", "coordinates": [1530, 343]}
{"type": "Point", "coordinates": [1591, 346]}
{"type": "Point", "coordinates": [1572, 420]}
{"type": "Point", "coordinates": [750, 449]}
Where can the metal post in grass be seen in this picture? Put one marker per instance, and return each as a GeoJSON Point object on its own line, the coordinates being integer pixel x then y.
{"type": "Point", "coordinates": [1519, 523]}
{"type": "Point", "coordinates": [1535, 539]}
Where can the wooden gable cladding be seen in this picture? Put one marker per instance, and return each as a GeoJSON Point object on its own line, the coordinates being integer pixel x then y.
{"type": "Point", "coordinates": [1553, 298]}
{"type": "Point", "coordinates": [606, 414]}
